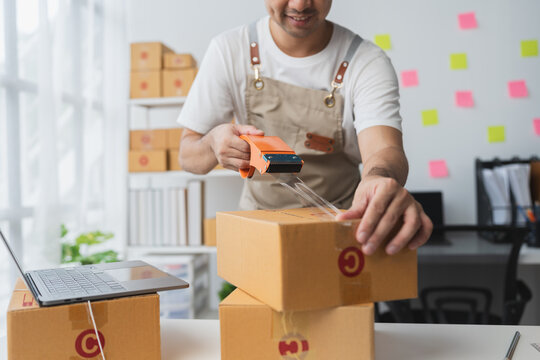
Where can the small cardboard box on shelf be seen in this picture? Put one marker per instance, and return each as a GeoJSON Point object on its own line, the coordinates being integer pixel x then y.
{"type": "Point", "coordinates": [147, 160]}
{"type": "Point", "coordinates": [178, 82]}
{"type": "Point", "coordinates": [146, 56]}
{"type": "Point", "coordinates": [66, 331]}
{"type": "Point", "coordinates": [252, 330]}
{"type": "Point", "coordinates": [155, 139]}
{"type": "Point", "coordinates": [178, 61]}
{"type": "Point", "coordinates": [145, 84]}
{"type": "Point", "coordinates": [301, 259]}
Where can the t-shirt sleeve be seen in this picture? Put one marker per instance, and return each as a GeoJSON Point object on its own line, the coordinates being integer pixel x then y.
{"type": "Point", "coordinates": [376, 95]}
{"type": "Point", "coordinates": [209, 102]}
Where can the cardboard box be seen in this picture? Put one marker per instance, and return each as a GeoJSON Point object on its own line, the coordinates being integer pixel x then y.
{"type": "Point", "coordinates": [66, 331]}
{"type": "Point", "coordinates": [145, 84]}
{"type": "Point", "coordinates": [300, 259]}
{"type": "Point", "coordinates": [178, 61]}
{"type": "Point", "coordinates": [173, 138]}
{"type": "Point", "coordinates": [252, 330]}
{"type": "Point", "coordinates": [177, 82]}
{"type": "Point", "coordinates": [172, 160]}
{"type": "Point", "coordinates": [147, 56]}
{"type": "Point", "coordinates": [209, 231]}
{"type": "Point", "coordinates": [148, 139]}
{"type": "Point", "coordinates": [147, 160]}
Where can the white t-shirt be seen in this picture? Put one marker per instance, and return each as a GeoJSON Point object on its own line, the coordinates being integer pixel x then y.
{"type": "Point", "coordinates": [370, 87]}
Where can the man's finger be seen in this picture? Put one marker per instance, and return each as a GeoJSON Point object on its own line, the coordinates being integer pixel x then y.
{"type": "Point", "coordinates": [411, 224]}
{"type": "Point", "coordinates": [248, 130]}
{"type": "Point", "coordinates": [423, 234]}
{"type": "Point", "coordinates": [356, 211]}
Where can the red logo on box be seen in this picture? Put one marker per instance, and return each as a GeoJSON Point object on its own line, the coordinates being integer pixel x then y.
{"type": "Point", "coordinates": [145, 138]}
{"type": "Point", "coordinates": [177, 83]}
{"type": "Point", "coordinates": [144, 55]}
{"type": "Point", "coordinates": [178, 60]}
{"type": "Point", "coordinates": [27, 303]}
{"type": "Point", "coordinates": [144, 85]}
{"type": "Point", "coordinates": [293, 347]}
{"type": "Point", "coordinates": [87, 345]}
{"type": "Point", "coordinates": [351, 261]}
{"type": "Point", "coordinates": [143, 160]}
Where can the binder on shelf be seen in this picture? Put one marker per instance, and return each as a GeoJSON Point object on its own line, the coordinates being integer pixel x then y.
{"type": "Point", "coordinates": [133, 212]}
{"type": "Point", "coordinates": [173, 215]}
{"type": "Point", "coordinates": [143, 218]}
{"type": "Point", "coordinates": [195, 212]}
{"type": "Point", "coordinates": [158, 211]}
{"type": "Point", "coordinates": [181, 218]}
{"type": "Point", "coordinates": [166, 216]}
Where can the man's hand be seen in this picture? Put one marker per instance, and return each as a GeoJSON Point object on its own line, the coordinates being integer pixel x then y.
{"type": "Point", "coordinates": [231, 151]}
{"type": "Point", "coordinates": [382, 203]}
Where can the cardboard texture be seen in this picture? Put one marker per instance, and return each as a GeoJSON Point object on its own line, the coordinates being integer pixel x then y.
{"type": "Point", "coordinates": [145, 84]}
{"type": "Point", "coordinates": [128, 328]}
{"type": "Point", "coordinates": [252, 330]}
{"type": "Point", "coordinates": [299, 259]}
{"type": "Point", "coordinates": [172, 160]}
{"type": "Point", "coordinates": [209, 231]}
{"type": "Point", "coordinates": [148, 139]}
{"type": "Point", "coordinates": [177, 82]}
{"type": "Point", "coordinates": [147, 160]}
{"type": "Point", "coordinates": [173, 138]}
{"type": "Point", "coordinates": [178, 61]}
{"type": "Point", "coordinates": [148, 56]}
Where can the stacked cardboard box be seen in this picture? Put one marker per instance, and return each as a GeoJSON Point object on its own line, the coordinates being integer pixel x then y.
{"type": "Point", "coordinates": [67, 332]}
{"type": "Point", "coordinates": [157, 71]}
{"type": "Point", "coordinates": [154, 150]}
{"type": "Point", "coordinates": [305, 288]}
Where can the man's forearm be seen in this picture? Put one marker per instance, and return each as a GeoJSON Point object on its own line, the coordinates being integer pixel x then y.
{"type": "Point", "coordinates": [388, 162]}
{"type": "Point", "coordinates": [196, 154]}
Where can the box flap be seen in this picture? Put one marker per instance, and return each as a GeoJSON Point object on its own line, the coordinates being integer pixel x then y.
{"type": "Point", "coordinates": [239, 297]}
{"type": "Point", "coordinates": [285, 216]}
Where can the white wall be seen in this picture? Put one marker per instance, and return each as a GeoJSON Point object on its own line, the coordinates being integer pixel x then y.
{"type": "Point", "coordinates": [423, 34]}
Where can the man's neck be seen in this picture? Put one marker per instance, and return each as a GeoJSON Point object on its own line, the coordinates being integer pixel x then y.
{"type": "Point", "coordinates": [301, 47]}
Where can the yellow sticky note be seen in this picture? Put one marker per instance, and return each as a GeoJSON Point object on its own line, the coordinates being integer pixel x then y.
{"type": "Point", "coordinates": [495, 134]}
{"type": "Point", "coordinates": [383, 41]}
{"type": "Point", "coordinates": [458, 61]}
{"type": "Point", "coordinates": [430, 117]}
{"type": "Point", "coordinates": [529, 48]}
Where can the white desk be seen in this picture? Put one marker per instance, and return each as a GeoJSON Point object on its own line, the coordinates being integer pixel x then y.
{"type": "Point", "coordinates": [199, 340]}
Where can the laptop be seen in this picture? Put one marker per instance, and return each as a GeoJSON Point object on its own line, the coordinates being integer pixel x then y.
{"type": "Point", "coordinates": [432, 203]}
{"type": "Point", "coordinates": [74, 284]}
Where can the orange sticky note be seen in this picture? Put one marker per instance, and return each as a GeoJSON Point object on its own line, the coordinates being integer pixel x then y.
{"type": "Point", "coordinates": [409, 78]}
{"type": "Point", "coordinates": [464, 99]}
{"type": "Point", "coordinates": [438, 169]}
{"type": "Point", "coordinates": [536, 124]}
{"type": "Point", "coordinates": [517, 89]}
{"type": "Point", "coordinates": [467, 21]}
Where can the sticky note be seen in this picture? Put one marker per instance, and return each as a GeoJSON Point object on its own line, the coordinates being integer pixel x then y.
{"type": "Point", "coordinates": [430, 117]}
{"type": "Point", "coordinates": [458, 61]}
{"type": "Point", "coordinates": [536, 124]}
{"type": "Point", "coordinates": [517, 89]}
{"type": "Point", "coordinates": [467, 21]}
{"type": "Point", "coordinates": [464, 99]}
{"type": "Point", "coordinates": [495, 134]}
{"type": "Point", "coordinates": [438, 169]}
{"type": "Point", "coordinates": [529, 48]}
{"type": "Point", "coordinates": [383, 41]}
{"type": "Point", "coordinates": [409, 78]}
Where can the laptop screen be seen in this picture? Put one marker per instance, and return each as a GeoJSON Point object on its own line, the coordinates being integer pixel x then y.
{"type": "Point", "coordinates": [12, 255]}
{"type": "Point", "coordinates": [432, 203]}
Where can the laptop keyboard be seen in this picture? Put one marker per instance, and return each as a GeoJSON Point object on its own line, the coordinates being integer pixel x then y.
{"type": "Point", "coordinates": [78, 282]}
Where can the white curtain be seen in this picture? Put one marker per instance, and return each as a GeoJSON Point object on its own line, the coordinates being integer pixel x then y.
{"type": "Point", "coordinates": [83, 62]}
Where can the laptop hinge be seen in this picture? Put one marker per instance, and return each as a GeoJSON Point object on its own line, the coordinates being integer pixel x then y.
{"type": "Point", "coordinates": [32, 284]}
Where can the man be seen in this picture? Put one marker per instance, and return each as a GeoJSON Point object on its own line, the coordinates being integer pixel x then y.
{"type": "Point", "coordinates": [330, 96]}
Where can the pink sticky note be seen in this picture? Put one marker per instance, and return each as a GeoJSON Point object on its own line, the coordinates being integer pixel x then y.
{"type": "Point", "coordinates": [467, 21]}
{"type": "Point", "coordinates": [517, 89]}
{"type": "Point", "coordinates": [464, 99]}
{"type": "Point", "coordinates": [438, 169]}
{"type": "Point", "coordinates": [536, 124]}
{"type": "Point", "coordinates": [409, 78]}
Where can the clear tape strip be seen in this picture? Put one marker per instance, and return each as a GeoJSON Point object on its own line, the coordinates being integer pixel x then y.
{"type": "Point", "coordinates": [95, 329]}
{"type": "Point", "coordinates": [307, 195]}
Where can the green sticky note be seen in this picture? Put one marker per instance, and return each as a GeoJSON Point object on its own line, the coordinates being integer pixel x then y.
{"type": "Point", "coordinates": [495, 134]}
{"type": "Point", "coordinates": [458, 61]}
{"type": "Point", "coordinates": [430, 117]}
{"type": "Point", "coordinates": [529, 48]}
{"type": "Point", "coordinates": [383, 41]}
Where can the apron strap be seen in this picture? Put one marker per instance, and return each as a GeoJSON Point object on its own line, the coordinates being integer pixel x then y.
{"type": "Point", "coordinates": [329, 100]}
{"type": "Point", "coordinates": [254, 57]}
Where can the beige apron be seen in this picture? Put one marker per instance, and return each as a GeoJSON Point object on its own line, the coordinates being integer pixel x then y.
{"type": "Point", "coordinates": [310, 122]}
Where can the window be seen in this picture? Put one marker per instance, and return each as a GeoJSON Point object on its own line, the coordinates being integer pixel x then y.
{"type": "Point", "coordinates": [51, 125]}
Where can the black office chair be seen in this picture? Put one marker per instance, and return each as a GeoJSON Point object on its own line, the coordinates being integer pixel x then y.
{"type": "Point", "coordinates": [468, 305]}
